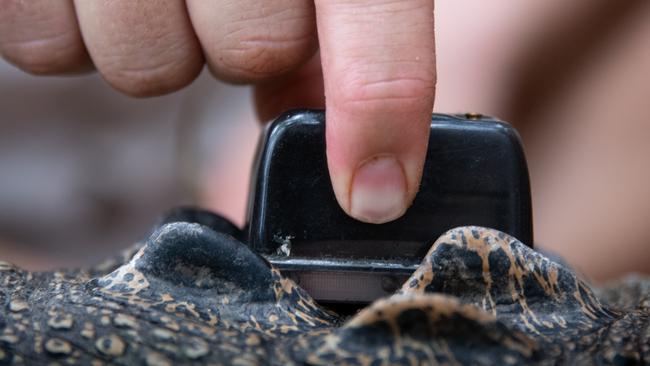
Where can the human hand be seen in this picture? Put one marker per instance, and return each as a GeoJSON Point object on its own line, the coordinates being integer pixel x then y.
{"type": "Point", "coordinates": [377, 58]}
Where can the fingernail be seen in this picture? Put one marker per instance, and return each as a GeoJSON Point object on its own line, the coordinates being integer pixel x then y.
{"type": "Point", "coordinates": [378, 191]}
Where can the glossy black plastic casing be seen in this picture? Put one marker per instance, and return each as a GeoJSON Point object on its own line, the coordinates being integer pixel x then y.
{"type": "Point", "coordinates": [475, 174]}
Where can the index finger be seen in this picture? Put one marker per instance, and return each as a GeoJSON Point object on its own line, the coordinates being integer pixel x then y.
{"type": "Point", "coordinates": [379, 68]}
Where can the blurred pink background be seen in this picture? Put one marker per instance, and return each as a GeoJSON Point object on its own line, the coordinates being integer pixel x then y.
{"type": "Point", "coordinates": [85, 171]}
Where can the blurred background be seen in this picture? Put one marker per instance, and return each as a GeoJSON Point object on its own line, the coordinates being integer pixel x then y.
{"type": "Point", "coordinates": [85, 171]}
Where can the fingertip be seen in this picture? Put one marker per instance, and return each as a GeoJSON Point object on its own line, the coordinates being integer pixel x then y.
{"type": "Point", "coordinates": [377, 181]}
{"type": "Point", "coordinates": [378, 192]}
{"type": "Point", "coordinates": [377, 138]}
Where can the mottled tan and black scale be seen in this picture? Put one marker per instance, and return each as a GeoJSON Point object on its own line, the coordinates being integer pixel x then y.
{"type": "Point", "coordinates": [194, 294]}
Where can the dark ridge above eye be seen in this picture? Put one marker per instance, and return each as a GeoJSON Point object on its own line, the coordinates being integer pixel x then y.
{"type": "Point", "coordinates": [203, 217]}
{"type": "Point", "coordinates": [195, 256]}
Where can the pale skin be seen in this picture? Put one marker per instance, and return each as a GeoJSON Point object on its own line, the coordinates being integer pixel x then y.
{"type": "Point", "coordinates": [371, 63]}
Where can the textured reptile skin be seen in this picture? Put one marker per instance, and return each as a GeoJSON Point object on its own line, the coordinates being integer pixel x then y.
{"type": "Point", "coordinates": [190, 294]}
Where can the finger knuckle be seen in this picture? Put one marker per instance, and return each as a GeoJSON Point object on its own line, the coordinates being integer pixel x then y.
{"type": "Point", "coordinates": [146, 80]}
{"type": "Point", "coordinates": [261, 57]}
{"type": "Point", "coordinates": [45, 56]}
{"type": "Point", "coordinates": [265, 43]}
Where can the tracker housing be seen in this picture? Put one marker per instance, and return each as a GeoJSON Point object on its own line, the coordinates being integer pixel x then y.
{"type": "Point", "coordinates": [475, 174]}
